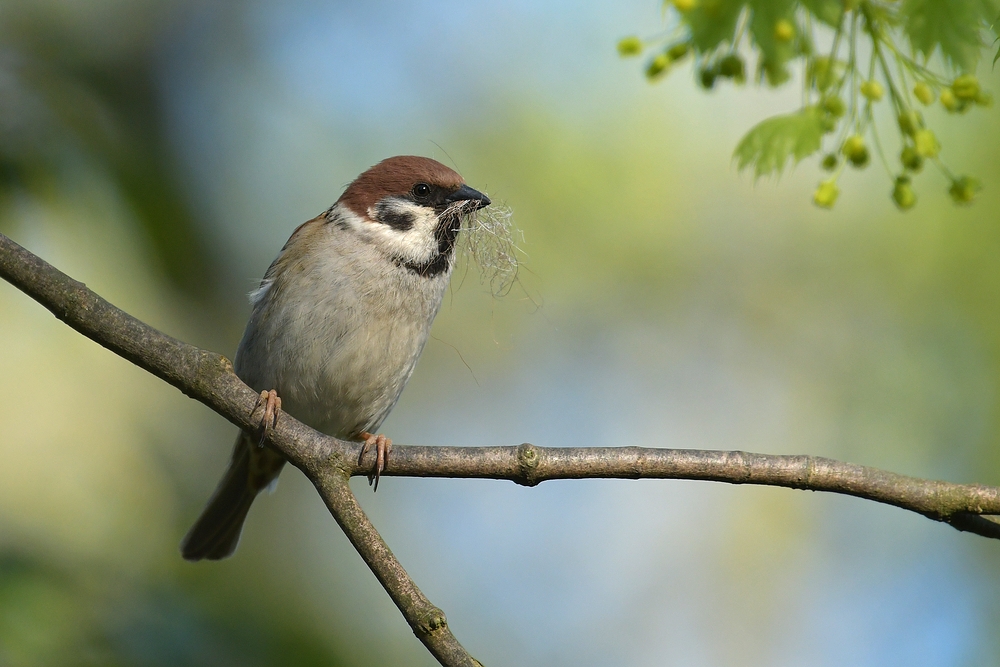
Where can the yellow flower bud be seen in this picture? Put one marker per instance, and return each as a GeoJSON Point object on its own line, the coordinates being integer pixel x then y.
{"type": "Point", "coordinates": [910, 122]}
{"type": "Point", "coordinates": [965, 87]}
{"type": "Point", "coordinates": [911, 159]}
{"type": "Point", "coordinates": [872, 90]}
{"type": "Point", "coordinates": [902, 193]}
{"type": "Point", "coordinates": [923, 93]}
{"type": "Point", "coordinates": [784, 31]}
{"type": "Point", "coordinates": [732, 67]}
{"type": "Point", "coordinates": [948, 100]}
{"type": "Point", "coordinates": [826, 194]}
{"type": "Point", "coordinates": [658, 67]}
{"type": "Point", "coordinates": [926, 144]}
{"type": "Point", "coordinates": [630, 46]}
{"type": "Point", "coordinates": [821, 73]}
{"type": "Point", "coordinates": [707, 77]}
{"type": "Point", "coordinates": [679, 50]}
{"type": "Point", "coordinates": [834, 106]}
{"type": "Point", "coordinates": [963, 189]}
{"type": "Point", "coordinates": [855, 151]}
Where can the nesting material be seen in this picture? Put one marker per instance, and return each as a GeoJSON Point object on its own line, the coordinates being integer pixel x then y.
{"type": "Point", "coordinates": [491, 241]}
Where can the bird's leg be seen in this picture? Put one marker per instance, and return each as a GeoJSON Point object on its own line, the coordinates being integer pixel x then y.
{"type": "Point", "coordinates": [272, 404]}
{"type": "Point", "coordinates": [383, 446]}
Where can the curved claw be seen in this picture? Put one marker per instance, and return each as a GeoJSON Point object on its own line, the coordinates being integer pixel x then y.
{"type": "Point", "coordinates": [272, 405]}
{"type": "Point", "coordinates": [383, 446]}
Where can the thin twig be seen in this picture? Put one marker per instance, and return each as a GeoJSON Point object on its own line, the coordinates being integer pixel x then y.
{"type": "Point", "coordinates": [427, 621]}
{"type": "Point", "coordinates": [529, 465]}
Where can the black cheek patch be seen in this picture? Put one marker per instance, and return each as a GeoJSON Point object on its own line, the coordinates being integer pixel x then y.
{"type": "Point", "coordinates": [387, 214]}
{"type": "Point", "coordinates": [446, 235]}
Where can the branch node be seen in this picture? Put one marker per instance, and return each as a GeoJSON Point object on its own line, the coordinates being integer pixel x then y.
{"type": "Point", "coordinates": [811, 470]}
{"type": "Point", "coordinates": [740, 461]}
{"type": "Point", "coordinates": [429, 621]}
{"type": "Point", "coordinates": [327, 463]}
{"type": "Point", "coordinates": [528, 457]}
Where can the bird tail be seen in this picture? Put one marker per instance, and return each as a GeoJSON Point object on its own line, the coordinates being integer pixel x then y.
{"type": "Point", "coordinates": [216, 533]}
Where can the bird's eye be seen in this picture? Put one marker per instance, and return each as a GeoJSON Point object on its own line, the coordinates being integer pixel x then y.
{"type": "Point", "coordinates": [421, 191]}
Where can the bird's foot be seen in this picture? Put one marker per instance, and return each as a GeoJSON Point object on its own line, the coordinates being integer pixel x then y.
{"type": "Point", "coordinates": [271, 403]}
{"type": "Point", "coordinates": [383, 446]}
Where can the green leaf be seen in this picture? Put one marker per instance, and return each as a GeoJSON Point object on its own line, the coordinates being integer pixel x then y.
{"type": "Point", "coordinates": [993, 27]}
{"type": "Point", "coordinates": [954, 26]}
{"type": "Point", "coordinates": [827, 11]}
{"type": "Point", "coordinates": [777, 44]}
{"type": "Point", "coordinates": [712, 22]}
{"type": "Point", "coordinates": [770, 143]}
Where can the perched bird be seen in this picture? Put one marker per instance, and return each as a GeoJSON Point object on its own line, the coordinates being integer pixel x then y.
{"type": "Point", "coordinates": [338, 324]}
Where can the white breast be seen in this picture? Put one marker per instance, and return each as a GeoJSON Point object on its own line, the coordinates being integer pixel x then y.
{"type": "Point", "coordinates": [338, 331]}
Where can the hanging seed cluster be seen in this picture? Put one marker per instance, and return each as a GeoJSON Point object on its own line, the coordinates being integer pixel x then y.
{"type": "Point", "coordinates": [866, 71]}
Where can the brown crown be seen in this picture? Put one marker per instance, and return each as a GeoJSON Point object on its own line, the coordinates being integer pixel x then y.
{"type": "Point", "coordinates": [396, 176]}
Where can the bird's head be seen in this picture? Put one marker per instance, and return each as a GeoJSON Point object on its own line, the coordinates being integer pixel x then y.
{"type": "Point", "coordinates": [411, 208]}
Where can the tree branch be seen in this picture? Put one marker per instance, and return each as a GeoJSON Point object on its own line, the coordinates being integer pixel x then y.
{"type": "Point", "coordinates": [960, 505]}
{"type": "Point", "coordinates": [328, 463]}
{"type": "Point", "coordinates": [427, 621]}
{"type": "Point", "coordinates": [208, 377]}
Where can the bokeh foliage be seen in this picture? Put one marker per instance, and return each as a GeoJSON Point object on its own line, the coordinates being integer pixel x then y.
{"type": "Point", "coordinates": [67, 98]}
{"type": "Point", "coordinates": [78, 100]}
{"type": "Point", "coordinates": [877, 338]}
{"type": "Point", "coordinates": [850, 53]}
{"type": "Point", "coordinates": [51, 615]}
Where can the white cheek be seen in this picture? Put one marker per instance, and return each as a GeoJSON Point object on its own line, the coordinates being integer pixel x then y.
{"type": "Point", "coordinates": [416, 244]}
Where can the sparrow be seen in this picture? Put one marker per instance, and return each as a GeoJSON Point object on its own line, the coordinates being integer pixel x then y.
{"type": "Point", "coordinates": [338, 323]}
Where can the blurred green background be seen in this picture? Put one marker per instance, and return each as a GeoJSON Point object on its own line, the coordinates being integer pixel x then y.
{"type": "Point", "coordinates": [163, 151]}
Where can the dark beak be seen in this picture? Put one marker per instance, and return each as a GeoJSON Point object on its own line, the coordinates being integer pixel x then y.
{"type": "Point", "coordinates": [465, 193]}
